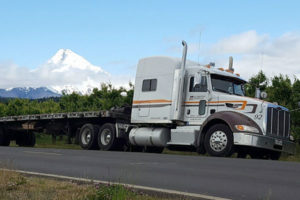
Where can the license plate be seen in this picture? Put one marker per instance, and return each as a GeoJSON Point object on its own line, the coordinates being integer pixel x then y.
{"type": "Point", "coordinates": [278, 142]}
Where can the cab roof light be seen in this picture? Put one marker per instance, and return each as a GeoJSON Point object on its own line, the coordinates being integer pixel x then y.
{"type": "Point", "coordinates": [222, 69]}
{"type": "Point", "coordinates": [228, 70]}
{"type": "Point", "coordinates": [237, 74]}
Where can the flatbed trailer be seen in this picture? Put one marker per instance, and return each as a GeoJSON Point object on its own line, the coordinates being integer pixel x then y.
{"type": "Point", "coordinates": [21, 128]}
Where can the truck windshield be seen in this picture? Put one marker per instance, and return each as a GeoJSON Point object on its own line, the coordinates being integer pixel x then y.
{"type": "Point", "coordinates": [227, 85]}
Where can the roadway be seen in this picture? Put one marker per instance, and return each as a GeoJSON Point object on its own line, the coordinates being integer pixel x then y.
{"type": "Point", "coordinates": [221, 177]}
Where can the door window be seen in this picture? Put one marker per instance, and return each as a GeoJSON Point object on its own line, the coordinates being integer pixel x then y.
{"type": "Point", "coordinates": [198, 87]}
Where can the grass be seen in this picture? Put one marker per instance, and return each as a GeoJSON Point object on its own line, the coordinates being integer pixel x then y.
{"type": "Point", "coordinates": [295, 158]}
{"type": "Point", "coordinates": [15, 186]}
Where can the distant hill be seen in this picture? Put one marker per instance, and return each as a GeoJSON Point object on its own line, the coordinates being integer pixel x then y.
{"type": "Point", "coordinates": [28, 93]}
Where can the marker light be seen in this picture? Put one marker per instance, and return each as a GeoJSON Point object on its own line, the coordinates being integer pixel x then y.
{"type": "Point", "coordinates": [246, 128]}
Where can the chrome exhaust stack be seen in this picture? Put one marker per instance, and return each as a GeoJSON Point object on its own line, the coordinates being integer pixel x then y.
{"type": "Point", "coordinates": [184, 52]}
{"type": "Point", "coordinates": [177, 96]}
{"type": "Point", "coordinates": [230, 67]}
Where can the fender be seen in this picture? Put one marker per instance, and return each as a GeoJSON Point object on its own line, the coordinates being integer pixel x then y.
{"type": "Point", "coordinates": [228, 117]}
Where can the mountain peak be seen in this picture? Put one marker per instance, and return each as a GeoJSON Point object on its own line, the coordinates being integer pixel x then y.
{"type": "Point", "coordinates": [66, 59]}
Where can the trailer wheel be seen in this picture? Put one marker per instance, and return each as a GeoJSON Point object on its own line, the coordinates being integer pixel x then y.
{"type": "Point", "coordinates": [4, 138]}
{"type": "Point", "coordinates": [88, 136]}
{"type": "Point", "coordinates": [107, 139]}
{"type": "Point", "coordinates": [25, 139]}
{"type": "Point", "coordinates": [219, 141]}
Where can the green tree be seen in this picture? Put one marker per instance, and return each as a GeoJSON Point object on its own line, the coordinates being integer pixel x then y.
{"type": "Point", "coordinates": [281, 91]}
{"type": "Point", "coordinates": [258, 81]}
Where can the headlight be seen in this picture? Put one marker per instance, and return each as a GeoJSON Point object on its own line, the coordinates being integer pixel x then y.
{"type": "Point", "coordinates": [246, 128]}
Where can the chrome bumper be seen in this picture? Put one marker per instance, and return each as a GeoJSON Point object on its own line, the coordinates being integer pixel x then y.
{"type": "Point", "coordinates": [265, 142]}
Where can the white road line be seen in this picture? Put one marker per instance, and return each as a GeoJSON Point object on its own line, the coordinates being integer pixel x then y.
{"type": "Point", "coordinates": [43, 153]}
{"type": "Point", "coordinates": [138, 187]}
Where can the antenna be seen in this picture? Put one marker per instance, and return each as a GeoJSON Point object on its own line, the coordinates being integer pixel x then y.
{"type": "Point", "coordinates": [199, 46]}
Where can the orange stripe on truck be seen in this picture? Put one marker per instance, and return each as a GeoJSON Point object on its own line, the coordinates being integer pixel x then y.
{"type": "Point", "coordinates": [244, 103]}
{"type": "Point", "coordinates": [152, 101]}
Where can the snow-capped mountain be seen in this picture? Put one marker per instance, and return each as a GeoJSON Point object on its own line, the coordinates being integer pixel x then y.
{"type": "Point", "coordinates": [65, 72]}
{"type": "Point", "coordinates": [28, 93]}
{"type": "Point", "coordinates": [65, 59]}
{"type": "Point", "coordinates": [73, 73]}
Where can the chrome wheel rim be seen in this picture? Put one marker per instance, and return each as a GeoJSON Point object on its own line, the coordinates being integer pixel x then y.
{"type": "Point", "coordinates": [105, 137]}
{"type": "Point", "coordinates": [218, 141]}
{"type": "Point", "coordinates": [86, 136]}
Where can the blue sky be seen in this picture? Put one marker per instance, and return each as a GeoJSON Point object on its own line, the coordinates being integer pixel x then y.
{"type": "Point", "coordinates": [115, 34]}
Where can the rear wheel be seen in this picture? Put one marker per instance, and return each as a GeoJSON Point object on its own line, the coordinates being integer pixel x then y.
{"type": "Point", "coordinates": [88, 136]}
{"type": "Point", "coordinates": [107, 138]}
{"type": "Point", "coordinates": [4, 138]}
{"type": "Point", "coordinates": [25, 139]}
{"type": "Point", "coordinates": [219, 141]}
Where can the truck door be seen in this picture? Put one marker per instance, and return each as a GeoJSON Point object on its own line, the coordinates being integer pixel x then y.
{"type": "Point", "coordinates": [196, 98]}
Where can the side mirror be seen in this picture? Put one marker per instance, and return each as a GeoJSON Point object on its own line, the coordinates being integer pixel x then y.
{"type": "Point", "coordinates": [197, 79]}
{"type": "Point", "coordinates": [263, 95]}
{"type": "Point", "coordinates": [257, 93]}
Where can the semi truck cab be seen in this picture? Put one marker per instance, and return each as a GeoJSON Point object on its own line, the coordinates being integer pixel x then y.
{"type": "Point", "coordinates": [182, 104]}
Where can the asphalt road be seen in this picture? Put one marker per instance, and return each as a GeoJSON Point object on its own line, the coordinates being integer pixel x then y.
{"type": "Point", "coordinates": [221, 177]}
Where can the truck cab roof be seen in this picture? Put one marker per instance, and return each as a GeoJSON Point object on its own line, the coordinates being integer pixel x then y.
{"type": "Point", "coordinates": [165, 65]}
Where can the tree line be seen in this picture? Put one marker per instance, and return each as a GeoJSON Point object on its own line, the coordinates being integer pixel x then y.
{"type": "Point", "coordinates": [280, 89]}
{"type": "Point", "coordinates": [100, 99]}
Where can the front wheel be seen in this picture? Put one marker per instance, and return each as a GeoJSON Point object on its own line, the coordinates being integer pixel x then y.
{"type": "Point", "coordinates": [219, 141]}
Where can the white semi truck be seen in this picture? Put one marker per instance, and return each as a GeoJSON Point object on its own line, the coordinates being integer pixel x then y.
{"type": "Point", "coordinates": [178, 104]}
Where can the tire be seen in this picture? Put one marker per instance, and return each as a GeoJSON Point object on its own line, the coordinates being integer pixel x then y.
{"type": "Point", "coordinates": [26, 139]}
{"type": "Point", "coordinates": [154, 149]}
{"type": "Point", "coordinates": [31, 140]}
{"type": "Point", "coordinates": [4, 138]}
{"type": "Point", "coordinates": [88, 136]}
{"type": "Point", "coordinates": [107, 138]}
{"type": "Point", "coordinates": [219, 141]}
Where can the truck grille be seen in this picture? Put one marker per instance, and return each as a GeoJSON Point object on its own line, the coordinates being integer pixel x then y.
{"type": "Point", "coordinates": [278, 122]}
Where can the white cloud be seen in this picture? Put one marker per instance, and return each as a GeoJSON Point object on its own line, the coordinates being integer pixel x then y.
{"type": "Point", "coordinates": [246, 42]}
{"type": "Point", "coordinates": [253, 52]}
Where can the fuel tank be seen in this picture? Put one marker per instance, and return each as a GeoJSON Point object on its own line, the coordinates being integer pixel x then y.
{"type": "Point", "coordinates": [149, 136]}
